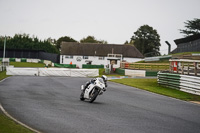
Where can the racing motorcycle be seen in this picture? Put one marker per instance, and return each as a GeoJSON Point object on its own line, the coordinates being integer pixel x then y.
{"type": "Point", "coordinates": [93, 90]}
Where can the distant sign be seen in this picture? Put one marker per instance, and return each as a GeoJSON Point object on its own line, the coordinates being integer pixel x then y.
{"type": "Point", "coordinates": [78, 58]}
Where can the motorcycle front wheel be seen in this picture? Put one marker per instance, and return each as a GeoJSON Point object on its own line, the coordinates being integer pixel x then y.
{"type": "Point", "coordinates": [93, 95]}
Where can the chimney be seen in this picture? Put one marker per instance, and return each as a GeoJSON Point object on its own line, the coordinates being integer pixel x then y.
{"type": "Point", "coordinates": [169, 46]}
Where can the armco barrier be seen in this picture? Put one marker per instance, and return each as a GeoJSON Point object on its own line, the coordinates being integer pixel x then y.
{"type": "Point", "coordinates": [151, 73]}
{"type": "Point", "coordinates": [120, 71]}
{"type": "Point", "coordinates": [190, 84]}
{"type": "Point", "coordinates": [23, 59]}
{"type": "Point", "coordinates": [12, 59]}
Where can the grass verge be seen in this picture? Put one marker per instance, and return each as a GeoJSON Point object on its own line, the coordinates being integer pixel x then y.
{"type": "Point", "coordinates": [9, 126]}
{"type": "Point", "coordinates": [152, 86]}
{"type": "Point", "coordinates": [3, 75]}
{"type": "Point", "coordinates": [27, 64]}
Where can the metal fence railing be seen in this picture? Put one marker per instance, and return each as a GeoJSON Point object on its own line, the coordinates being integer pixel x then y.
{"type": "Point", "coordinates": [185, 66]}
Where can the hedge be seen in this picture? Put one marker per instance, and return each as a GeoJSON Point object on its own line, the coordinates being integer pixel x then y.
{"type": "Point", "coordinates": [65, 65]}
{"type": "Point", "coordinates": [92, 66]}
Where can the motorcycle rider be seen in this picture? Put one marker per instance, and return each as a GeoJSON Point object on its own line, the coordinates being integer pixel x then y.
{"type": "Point", "coordinates": [94, 79]}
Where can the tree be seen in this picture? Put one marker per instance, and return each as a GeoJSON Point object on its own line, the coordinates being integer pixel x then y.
{"type": "Point", "coordinates": [129, 43]}
{"type": "Point", "coordinates": [64, 39]}
{"type": "Point", "coordinates": [192, 27]}
{"type": "Point", "coordinates": [92, 39]}
{"type": "Point", "coordinates": [147, 41]}
{"type": "Point", "coordinates": [23, 41]}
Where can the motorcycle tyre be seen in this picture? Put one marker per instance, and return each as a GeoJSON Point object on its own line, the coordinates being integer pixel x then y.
{"type": "Point", "coordinates": [96, 92]}
{"type": "Point", "coordinates": [82, 96]}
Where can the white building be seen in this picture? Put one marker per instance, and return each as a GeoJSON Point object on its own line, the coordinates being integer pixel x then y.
{"type": "Point", "coordinates": [98, 54]}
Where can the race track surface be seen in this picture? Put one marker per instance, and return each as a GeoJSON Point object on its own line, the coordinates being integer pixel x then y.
{"type": "Point", "coordinates": [52, 105]}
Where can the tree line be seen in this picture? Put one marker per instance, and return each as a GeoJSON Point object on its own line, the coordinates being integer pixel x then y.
{"type": "Point", "coordinates": [25, 42]}
{"type": "Point", "coordinates": [146, 39]}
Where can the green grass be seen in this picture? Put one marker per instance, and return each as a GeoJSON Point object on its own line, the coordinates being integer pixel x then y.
{"type": "Point", "coordinates": [186, 53]}
{"type": "Point", "coordinates": [27, 64]}
{"type": "Point", "coordinates": [3, 75]}
{"type": "Point", "coordinates": [9, 126]}
{"type": "Point", "coordinates": [102, 72]}
{"type": "Point", "coordinates": [152, 86]}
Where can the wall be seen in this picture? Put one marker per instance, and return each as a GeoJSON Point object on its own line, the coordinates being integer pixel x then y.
{"type": "Point", "coordinates": [192, 46]}
{"type": "Point", "coordinates": [79, 60]}
{"type": "Point", "coordinates": [131, 60]}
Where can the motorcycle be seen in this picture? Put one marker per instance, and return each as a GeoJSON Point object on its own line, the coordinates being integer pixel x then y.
{"type": "Point", "coordinates": [93, 90]}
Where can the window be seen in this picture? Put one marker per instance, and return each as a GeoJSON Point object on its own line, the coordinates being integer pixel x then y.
{"type": "Point", "coordinates": [62, 59]}
{"type": "Point", "coordinates": [69, 57]}
{"type": "Point", "coordinates": [101, 58]}
{"type": "Point", "coordinates": [85, 57]}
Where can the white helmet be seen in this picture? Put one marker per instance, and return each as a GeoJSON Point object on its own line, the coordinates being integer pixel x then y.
{"type": "Point", "coordinates": [104, 77]}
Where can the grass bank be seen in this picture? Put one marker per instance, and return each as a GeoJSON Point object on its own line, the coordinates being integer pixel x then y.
{"type": "Point", "coordinates": [152, 86]}
{"type": "Point", "coordinates": [3, 75]}
{"type": "Point", "coordinates": [9, 126]}
{"type": "Point", "coordinates": [27, 64]}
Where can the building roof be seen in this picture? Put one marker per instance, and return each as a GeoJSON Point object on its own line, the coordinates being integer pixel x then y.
{"type": "Point", "coordinates": [93, 49]}
{"type": "Point", "coordinates": [187, 39]}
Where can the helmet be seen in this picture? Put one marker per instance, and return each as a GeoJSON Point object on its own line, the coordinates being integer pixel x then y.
{"type": "Point", "coordinates": [104, 78]}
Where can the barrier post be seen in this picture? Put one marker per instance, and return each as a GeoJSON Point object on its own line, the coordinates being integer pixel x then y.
{"type": "Point", "coordinates": [188, 69]}
{"type": "Point", "coordinates": [182, 67]}
{"type": "Point", "coordinates": [195, 68]}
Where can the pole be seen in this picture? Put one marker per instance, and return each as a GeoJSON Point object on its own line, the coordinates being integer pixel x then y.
{"type": "Point", "coordinates": [4, 53]}
{"type": "Point", "coordinates": [4, 50]}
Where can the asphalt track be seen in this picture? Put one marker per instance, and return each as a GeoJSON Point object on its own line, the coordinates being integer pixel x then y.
{"type": "Point", "coordinates": [52, 105]}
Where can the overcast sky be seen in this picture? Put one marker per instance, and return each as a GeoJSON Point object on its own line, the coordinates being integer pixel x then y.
{"type": "Point", "coordinates": [110, 20]}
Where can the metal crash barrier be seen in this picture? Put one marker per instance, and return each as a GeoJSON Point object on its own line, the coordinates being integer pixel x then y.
{"type": "Point", "coordinates": [190, 84]}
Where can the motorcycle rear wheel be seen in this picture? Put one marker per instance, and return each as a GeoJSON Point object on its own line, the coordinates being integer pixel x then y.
{"type": "Point", "coordinates": [82, 96]}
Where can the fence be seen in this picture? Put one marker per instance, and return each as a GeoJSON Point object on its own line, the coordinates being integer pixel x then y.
{"type": "Point", "coordinates": [145, 66]}
{"type": "Point", "coordinates": [185, 66]}
{"type": "Point", "coordinates": [32, 54]}
{"type": "Point", "coordinates": [190, 84]}
{"type": "Point", "coordinates": [52, 72]}
{"type": "Point", "coordinates": [157, 58]}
